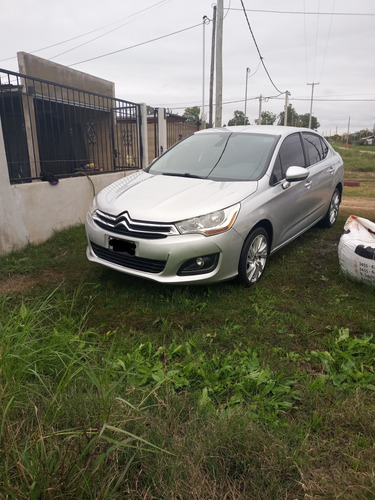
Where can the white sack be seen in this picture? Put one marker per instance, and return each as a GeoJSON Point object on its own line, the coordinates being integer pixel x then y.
{"type": "Point", "coordinates": [357, 249]}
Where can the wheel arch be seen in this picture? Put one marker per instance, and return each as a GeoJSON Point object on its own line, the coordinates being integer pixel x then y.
{"type": "Point", "coordinates": [267, 226]}
{"type": "Point", "coordinates": [340, 187]}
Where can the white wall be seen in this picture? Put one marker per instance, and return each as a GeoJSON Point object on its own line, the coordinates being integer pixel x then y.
{"type": "Point", "coordinates": [32, 212]}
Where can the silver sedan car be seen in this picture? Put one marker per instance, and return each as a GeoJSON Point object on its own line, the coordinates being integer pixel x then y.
{"type": "Point", "coordinates": [216, 205]}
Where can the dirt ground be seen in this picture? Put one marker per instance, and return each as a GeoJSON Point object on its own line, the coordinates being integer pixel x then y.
{"type": "Point", "coordinates": [358, 206]}
{"type": "Point", "coordinates": [20, 282]}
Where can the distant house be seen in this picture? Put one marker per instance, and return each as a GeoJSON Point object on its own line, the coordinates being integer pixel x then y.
{"type": "Point", "coordinates": [370, 141]}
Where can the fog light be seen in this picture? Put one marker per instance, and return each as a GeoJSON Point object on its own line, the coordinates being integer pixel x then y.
{"type": "Point", "coordinates": [199, 265]}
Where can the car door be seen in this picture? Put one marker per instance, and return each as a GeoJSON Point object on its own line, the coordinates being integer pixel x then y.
{"type": "Point", "coordinates": [321, 173]}
{"type": "Point", "coordinates": [291, 205]}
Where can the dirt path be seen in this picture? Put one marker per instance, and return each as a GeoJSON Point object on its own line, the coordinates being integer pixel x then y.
{"type": "Point", "coordinates": [361, 150]}
{"type": "Point", "coordinates": [21, 282]}
{"type": "Point", "coordinates": [358, 206]}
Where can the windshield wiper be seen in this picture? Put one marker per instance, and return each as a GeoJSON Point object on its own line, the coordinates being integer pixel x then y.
{"type": "Point", "coordinates": [186, 174]}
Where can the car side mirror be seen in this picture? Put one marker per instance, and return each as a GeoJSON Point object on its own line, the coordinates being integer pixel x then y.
{"type": "Point", "coordinates": [294, 174]}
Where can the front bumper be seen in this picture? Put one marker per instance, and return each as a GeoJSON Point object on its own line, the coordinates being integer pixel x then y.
{"type": "Point", "coordinates": [161, 259]}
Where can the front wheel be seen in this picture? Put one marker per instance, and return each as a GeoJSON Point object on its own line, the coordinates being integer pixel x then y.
{"type": "Point", "coordinates": [253, 258]}
{"type": "Point", "coordinates": [333, 210]}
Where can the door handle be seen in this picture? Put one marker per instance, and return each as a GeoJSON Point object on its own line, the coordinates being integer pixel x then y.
{"type": "Point", "coordinates": [308, 184]}
{"type": "Point", "coordinates": [331, 170]}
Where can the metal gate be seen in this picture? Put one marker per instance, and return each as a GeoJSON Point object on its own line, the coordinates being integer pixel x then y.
{"type": "Point", "coordinates": [178, 128]}
{"type": "Point", "coordinates": [61, 130]}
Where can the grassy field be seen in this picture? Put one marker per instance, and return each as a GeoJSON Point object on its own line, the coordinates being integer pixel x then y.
{"type": "Point", "coordinates": [359, 164]}
{"type": "Point", "coordinates": [113, 387]}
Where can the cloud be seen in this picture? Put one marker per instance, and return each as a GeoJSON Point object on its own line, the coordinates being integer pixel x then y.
{"type": "Point", "coordinates": [334, 50]}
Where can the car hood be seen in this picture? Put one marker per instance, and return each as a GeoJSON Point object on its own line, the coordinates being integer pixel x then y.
{"type": "Point", "coordinates": [162, 198]}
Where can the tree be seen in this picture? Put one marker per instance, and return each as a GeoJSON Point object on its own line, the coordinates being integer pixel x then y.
{"type": "Point", "coordinates": [296, 120]}
{"type": "Point", "coordinates": [304, 120]}
{"type": "Point", "coordinates": [292, 119]}
{"type": "Point", "coordinates": [239, 119]}
{"type": "Point", "coordinates": [192, 114]}
{"type": "Point", "coordinates": [266, 118]}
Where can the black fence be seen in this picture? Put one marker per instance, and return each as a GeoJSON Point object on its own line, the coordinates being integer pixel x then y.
{"type": "Point", "coordinates": [59, 131]}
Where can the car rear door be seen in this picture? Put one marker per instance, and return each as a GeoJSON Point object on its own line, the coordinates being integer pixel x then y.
{"type": "Point", "coordinates": [321, 172]}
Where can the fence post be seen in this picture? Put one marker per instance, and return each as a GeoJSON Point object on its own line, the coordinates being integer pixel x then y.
{"type": "Point", "coordinates": [143, 136]}
{"type": "Point", "coordinates": [162, 130]}
{"type": "Point", "coordinates": [31, 131]}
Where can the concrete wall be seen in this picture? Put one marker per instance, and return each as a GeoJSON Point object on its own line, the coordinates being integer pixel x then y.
{"type": "Point", "coordinates": [32, 212]}
{"type": "Point", "coordinates": [46, 70]}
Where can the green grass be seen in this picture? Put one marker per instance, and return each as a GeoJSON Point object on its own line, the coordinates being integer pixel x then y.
{"type": "Point", "coordinates": [359, 162]}
{"type": "Point", "coordinates": [115, 387]}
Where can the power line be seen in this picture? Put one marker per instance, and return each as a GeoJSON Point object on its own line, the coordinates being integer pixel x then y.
{"type": "Point", "coordinates": [90, 32]}
{"type": "Point", "coordinates": [112, 30]}
{"type": "Point", "coordinates": [305, 33]}
{"type": "Point", "coordinates": [366, 14]}
{"type": "Point", "coordinates": [316, 41]}
{"type": "Point", "coordinates": [136, 45]}
{"type": "Point", "coordinates": [266, 98]}
{"type": "Point", "coordinates": [331, 100]}
{"type": "Point", "coordinates": [328, 37]}
{"type": "Point", "coordinates": [256, 45]}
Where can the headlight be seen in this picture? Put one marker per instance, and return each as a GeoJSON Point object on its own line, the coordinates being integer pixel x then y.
{"type": "Point", "coordinates": [209, 224]}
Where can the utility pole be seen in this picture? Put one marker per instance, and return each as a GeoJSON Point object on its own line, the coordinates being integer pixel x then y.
{"type": "Point", "coordinates": [210, 119]}
{"type": "Point", "coordinates": [312, 97]}
{"type": "Point", "coordinates": [205, 21]}
{"type": "Point", "coordinates": [247, 77]}
{"type": "Point", "coordinates": [260, 109]}
{"type": "Point", "coordinates": [219, 64]}
{"type": "Point", "coordinates": [286, 109]}
{"type": "Point", "coordinates": [347, 141]}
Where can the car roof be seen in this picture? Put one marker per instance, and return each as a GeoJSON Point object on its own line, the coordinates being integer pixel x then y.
{"type": "Point", "coordinates": [275, 130]}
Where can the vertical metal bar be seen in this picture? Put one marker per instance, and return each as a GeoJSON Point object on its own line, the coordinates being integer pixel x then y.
{"type": "Point", "coordinates": [138, 135]}
{"type": "Point", "coordinates": [104, 146]}
{"type": "Point", "coordinates": [29, 118]}
{"type": "Point", "coordinates": [156, 139]}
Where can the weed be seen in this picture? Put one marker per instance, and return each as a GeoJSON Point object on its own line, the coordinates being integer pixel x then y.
{"type": "Point", "coordinates": [223, 381]}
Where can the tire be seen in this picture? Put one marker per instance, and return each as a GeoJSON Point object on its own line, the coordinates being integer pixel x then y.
{"type": "Point", "coordinates": [253, 258]}
{"type": "Point", "coordinates": [333, 211]}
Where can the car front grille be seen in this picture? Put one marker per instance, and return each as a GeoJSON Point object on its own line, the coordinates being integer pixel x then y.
{"type": "Point", "coordinates": [123, 225]}
{"type": "Point", "coordinates": [128, 261]}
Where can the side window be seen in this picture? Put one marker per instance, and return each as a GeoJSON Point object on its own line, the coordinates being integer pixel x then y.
{"type": "Point", "coordinates": [277, 173]}
{"type": "Point", "coordinates": [290, 154]}
{"type": "Point", "coordinates": [314, 147]}
{"type": "Point", "coordinates": [324, 147]}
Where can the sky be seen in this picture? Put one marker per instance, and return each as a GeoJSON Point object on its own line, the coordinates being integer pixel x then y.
{"type": "Point", "coordinates": [158, 52]}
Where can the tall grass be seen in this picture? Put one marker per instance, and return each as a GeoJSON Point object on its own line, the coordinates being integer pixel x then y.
{"type": "Point", "coordinates": [86, 414]}
{"type": "Point", "coordinates": [63, 426]}
{"type": "Point", "coordinates": [113, 387]}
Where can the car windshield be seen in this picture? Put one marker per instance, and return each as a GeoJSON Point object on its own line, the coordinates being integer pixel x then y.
{"type": "Point", "coordinates": [219, 156]}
